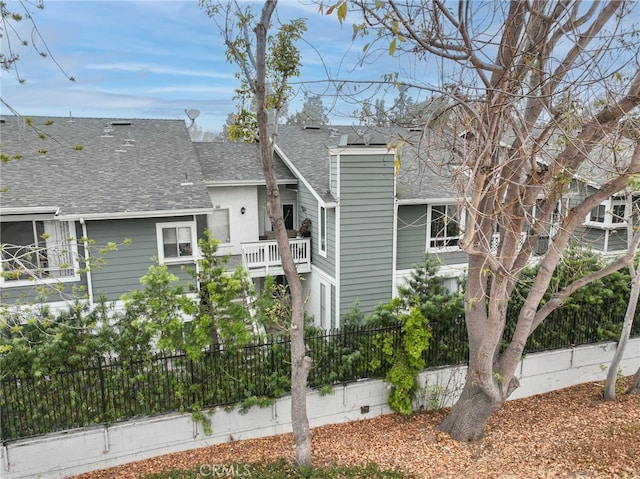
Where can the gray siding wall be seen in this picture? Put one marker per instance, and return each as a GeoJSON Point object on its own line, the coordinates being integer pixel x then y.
{"type": "Point", "coordinates": [412, 235]}
{"type": "Point", "coordinates": [307, 201]}
{"type": "Point", "coordinates": [591, 237]}
{"type": "Point", "coordinates": [126, 266]}
{"type": "Point", "coordinates": [452, 257]}
{"type": "Point", "coordinates": [366, 230]}
{"type": "Point", "coordinates": [412, 239]}
{"type": "Point", "coordinates": [617, 240]}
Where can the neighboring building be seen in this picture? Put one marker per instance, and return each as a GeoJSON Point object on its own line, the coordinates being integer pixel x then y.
{"type": "Point", "coordinates": [103, 179]}
{"type": "Point", "coordinates": [374, 207]}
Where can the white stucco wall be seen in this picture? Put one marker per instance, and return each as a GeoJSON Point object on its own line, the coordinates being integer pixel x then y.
{"type": "Point", "coordinates": [287, 196]}
{"type": "Point", "coordinates": [243, 227]}
{"type": "Point", "coordinates": [72, 452]}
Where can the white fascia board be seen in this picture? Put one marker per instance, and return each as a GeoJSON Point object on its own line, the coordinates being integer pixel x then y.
{"type": "Point", "coordinates": [213, 184]}
{"type": "Point", "coordinates": [350, 150]}
{"type": "Point", "coordinates": [29, 210]}
{"type": "Point", "coordinates": [135, 214]}
{"type": "Point", "coordinates": [429, 201]}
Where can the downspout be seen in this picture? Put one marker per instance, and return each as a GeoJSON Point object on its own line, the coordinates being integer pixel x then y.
{"type": "Point", "coordinates": [394, 241]}
{"type": "Point", "coordinates": [337, 242]}
{"type": "Point", "coordinates": [87, 259]}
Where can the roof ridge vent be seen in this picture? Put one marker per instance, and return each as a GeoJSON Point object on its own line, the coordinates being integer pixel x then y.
{"type": "Point", "coordinates": [121, 123]}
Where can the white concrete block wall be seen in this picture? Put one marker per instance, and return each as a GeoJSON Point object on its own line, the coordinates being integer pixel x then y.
{"type": "Point", "coordinates": [62, 454]}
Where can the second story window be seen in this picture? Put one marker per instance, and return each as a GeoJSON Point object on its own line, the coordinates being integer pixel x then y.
{"type": "Point", "coordinates": [323, 231]}
{"type": "Point", "coordinates": [37, 250]}
{"type": "Point", "coordinates": [609, 214]}
{"type": "Point", "coordinates": [597, 214]}
{"type": "Point", "coordinates": [176, 241]}
{"type": "Point", "coordinates": [445, 226]}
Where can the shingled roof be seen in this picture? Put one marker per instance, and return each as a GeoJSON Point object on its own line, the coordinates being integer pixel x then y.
{"type": "Point", "coordinates": [418, 178]}
{"type": "Point", "coordinates": [237, 163]}
{"type": "Point", "coordinates": [100, 167]}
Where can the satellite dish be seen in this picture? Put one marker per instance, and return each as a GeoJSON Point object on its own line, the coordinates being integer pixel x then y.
{"type": "Point", "coordinates": [192, 114]}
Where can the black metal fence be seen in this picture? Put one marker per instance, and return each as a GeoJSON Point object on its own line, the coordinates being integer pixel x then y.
{"type": "Point", "coordinates": [114, 390]}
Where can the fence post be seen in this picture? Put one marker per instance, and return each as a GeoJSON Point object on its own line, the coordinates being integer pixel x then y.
{"type": "Point", "coordinates": [103, 399]}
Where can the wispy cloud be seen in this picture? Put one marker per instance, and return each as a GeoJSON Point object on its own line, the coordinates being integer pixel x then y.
{"type": "Point", "coordinates": [159, 70]}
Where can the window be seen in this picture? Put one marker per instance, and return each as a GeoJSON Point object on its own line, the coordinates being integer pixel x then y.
{"type": "Point", "coordinates": [176, 241]}
{"type": "Point", "coordinates": [597, 214]}
{"type": "Point", "coordinates": [617, 212]}
{"type": "Point", "coordinates": [220, 229]}
{"type": "Point", "coordinates": [323, 231]}
{"type": "Point", "coordinates": [445, 226]}
{"type": "Point", "coordinates": [610, 213]}
{"type": "Point", "coordinates": [37, 249]}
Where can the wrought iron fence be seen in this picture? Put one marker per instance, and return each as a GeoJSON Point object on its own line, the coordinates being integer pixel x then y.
{"type": "Point", "coordinates": [112, 390]}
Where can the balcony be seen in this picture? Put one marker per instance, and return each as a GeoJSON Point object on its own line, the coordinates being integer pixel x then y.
{"type": "Point", "coordinates": [262, 258]}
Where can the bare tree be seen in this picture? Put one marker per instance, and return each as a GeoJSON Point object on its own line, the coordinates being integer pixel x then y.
{"type": "Point", "coordinates": [537, 92]}
{"type": "Point", "coordinates": [633, 239]}
{"type": "Point", "coordinates": [274, 60]}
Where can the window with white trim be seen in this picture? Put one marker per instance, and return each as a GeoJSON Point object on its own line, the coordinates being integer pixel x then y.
{"type": "Point", "coordinates": [322, 240]}
{"type": "Point", "coordinates": [38, 249]}
{"type": "Point", "coordinates": [220, 227]}
{"type": "Point", "coordinates": [176, 241]}
{"type": "Point", "coordinates": [445, 226]}
{"type": "Point", "coordinates": [598, 214]}
{"type": "Point", "coordinates": [618, 210]}
{"type": "Point", "coordinates": [611, 213]}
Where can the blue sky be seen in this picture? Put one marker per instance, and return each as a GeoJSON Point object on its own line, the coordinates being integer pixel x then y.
{"type": "Point", "coordinates": [156, 58]}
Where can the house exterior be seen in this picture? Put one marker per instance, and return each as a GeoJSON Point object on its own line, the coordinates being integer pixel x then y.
{"type": "Point", "coordinates": [71, 179]}
{"type": "Point", "coordinates": [374, 212]}
{"type": "Point", "coordinates": [373, 205]}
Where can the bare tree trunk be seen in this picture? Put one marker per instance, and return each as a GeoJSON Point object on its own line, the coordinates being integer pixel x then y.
{"type": "Point", "coordinates": [468, 416]}
{"type": "Point", "coordinates": [612, 374]}
{"type": "Point", "coordinates": [300, 362]}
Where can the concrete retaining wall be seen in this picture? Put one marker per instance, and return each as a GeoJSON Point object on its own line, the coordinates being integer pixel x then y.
{"type": "Point", "coordinates": [72, 452]}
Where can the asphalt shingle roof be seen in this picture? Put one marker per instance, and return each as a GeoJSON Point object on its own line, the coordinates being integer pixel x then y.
{"type": "Point", "coordinates": [100, 166]}
{"type": "Point", "coordinates": [418, 178]}
{"type": "Point", "coordinates": [236, 163]}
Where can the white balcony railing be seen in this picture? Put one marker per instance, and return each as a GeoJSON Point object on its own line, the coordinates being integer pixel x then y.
{"type": "Point", "coordinates": [262, 258]}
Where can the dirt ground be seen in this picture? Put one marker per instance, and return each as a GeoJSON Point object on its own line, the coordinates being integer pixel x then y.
{"type": "Point", "coordinates": [569, 433]}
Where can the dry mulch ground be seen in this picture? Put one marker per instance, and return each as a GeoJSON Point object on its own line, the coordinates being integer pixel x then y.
{"type": "Point", "coordinates": [569, 433]}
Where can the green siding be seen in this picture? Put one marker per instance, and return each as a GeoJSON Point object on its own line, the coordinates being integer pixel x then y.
{"type": "Point", "coordinates": [366, 230]}
{"type": "Point", "coordinates": [310, 204]}
{"type": "Point", "coordinates": [452, 257]}
{"type": "Point", "coordinates": [617, 240]}
{"type": "Point", "coordinates": [591, 238]}
{"type": "Point", "coordinates": [412, 235]}
{"type": "Point", "coordinates": [128, 264]}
